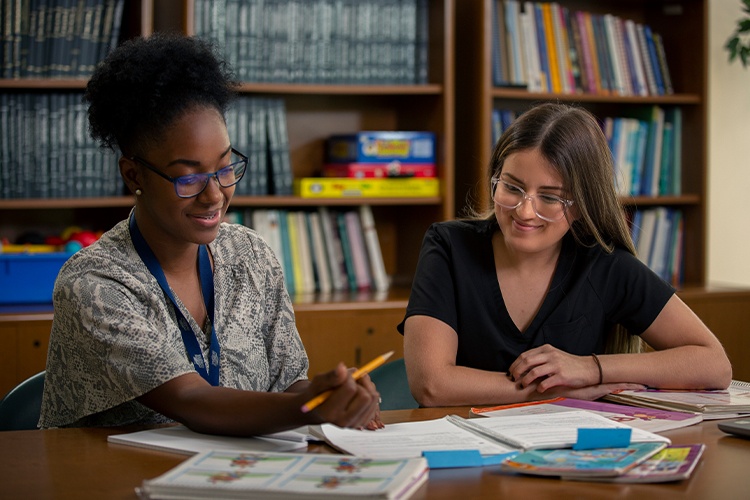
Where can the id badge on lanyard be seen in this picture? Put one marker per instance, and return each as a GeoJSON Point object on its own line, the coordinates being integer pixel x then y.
{"type": "Point", "coordinates": [209, 372]}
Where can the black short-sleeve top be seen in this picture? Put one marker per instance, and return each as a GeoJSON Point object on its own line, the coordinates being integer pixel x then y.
{"type": "Point", "coordinates": [591, 291]}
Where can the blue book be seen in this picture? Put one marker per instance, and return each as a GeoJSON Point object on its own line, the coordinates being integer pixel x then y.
{"type": "Point", "coordinates": [666, 172]}
{"type": "Point", "coordinates": [640, 157]}
{"type": "Point", "coordinates": [654, 59]}
{"type": "Point", "coordinates": [631, 62]}
{"type": "Point", "coordinates": [542, 42]}
{"type": "Point", "coordinates": [286, 250]}
{"type": "Point", "coordinates": [675, 117]}
{"type": "Point", "coordinates": [498, 45]}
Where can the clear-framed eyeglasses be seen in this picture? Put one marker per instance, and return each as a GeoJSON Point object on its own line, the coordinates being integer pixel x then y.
{"type": "Point", "coordinates": [549, 207]}
{"type": "Point", "coordinates": [189, 186]}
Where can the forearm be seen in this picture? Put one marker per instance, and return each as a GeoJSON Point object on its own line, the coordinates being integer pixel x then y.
{"type": "Point", "coordinates": [460, 386]}
{"type": "Point", "coordinates": [221, 410]}
{"type": "Point", "coordinates": [683, 367]}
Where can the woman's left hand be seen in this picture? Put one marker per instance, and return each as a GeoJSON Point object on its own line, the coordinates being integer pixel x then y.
{"type": "Point", "coordinates": [551, 367]}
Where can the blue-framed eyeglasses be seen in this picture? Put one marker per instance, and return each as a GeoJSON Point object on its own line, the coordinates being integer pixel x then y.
{"type": "Point", "coordinates": [189, 186]}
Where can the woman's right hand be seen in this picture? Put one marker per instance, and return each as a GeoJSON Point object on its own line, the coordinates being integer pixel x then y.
{"type": "Point", "coordinates": [351, 404]}
{"type": "Point", "coordinates": [588, 393]}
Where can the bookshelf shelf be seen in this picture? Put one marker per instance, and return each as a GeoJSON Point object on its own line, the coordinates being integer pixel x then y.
{"type": "Point", "coordinates": [687, 199]}
{"type": "Point", "coordinates": [667, 100]}
{"type": "Point", "coordinates": [43, 83]}
{"type": "Point", "coordinates": [310, 89]}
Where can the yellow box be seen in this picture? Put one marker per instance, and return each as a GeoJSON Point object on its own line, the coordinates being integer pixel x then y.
{"type": "Point", "coordinates": [344, 187]}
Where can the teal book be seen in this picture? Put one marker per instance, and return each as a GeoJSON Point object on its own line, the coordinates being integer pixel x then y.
{"type": "Point", "coordinates": [569, 463]}
{"type": "Point", "coordinates": [346, 247]}
{"type": "Point", "coordinates": [286, 251]}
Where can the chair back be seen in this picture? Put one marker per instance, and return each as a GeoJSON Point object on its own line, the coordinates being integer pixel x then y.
{"type": "Point", "coordinates": [20, 408]}
{"type": "Point", "coordinates": [393, 386]}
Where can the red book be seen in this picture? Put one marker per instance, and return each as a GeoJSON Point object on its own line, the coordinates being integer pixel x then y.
{"type": "Point", "coordinates": [379, 170]}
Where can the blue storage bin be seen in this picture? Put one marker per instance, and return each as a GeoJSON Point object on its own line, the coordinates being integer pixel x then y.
{"type": "Point", "coordinates": [28, 278]}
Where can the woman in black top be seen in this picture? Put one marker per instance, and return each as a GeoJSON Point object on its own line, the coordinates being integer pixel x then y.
{"type": "Point", "coordinates": [519, 303]}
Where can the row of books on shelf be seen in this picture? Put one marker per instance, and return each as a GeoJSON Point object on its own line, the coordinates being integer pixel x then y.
{"type": "Point", "coordinates": [646, 149]}
{"type": "Point", "coordinates": [257, 128]}
{"type": "Point", "coordinates": [47, 152]}
{"type": "Point", "coordinates": [323, 250]}
{"type": "Point", "coordinates": [57, 38]}
{"type": "Point", "coordinates": [658, 235]}
{"type": "Point", "coordinates": [548, 48]}
{"type": "Point", "coordinates": [320, 41]}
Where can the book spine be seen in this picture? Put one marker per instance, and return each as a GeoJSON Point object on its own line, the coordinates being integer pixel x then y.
{"type": "Point", "coordinates": [647, 66]}
{"type": "Point", "coordinates": [305, 255]}
{"type": "Point", "coordinates": [333, 250]}
{"type": "Point", "coordinates": [664, 69]}
{"type": "Point", "coordinates": [347, 251]}
{"type": "Point", "coordinates": [551, 48]}
{"type": "Point", "coordinates": [561, 43]}
{"type": "Point", "coordinates": [596, 71]}
{"type": "Point", "coordinates": [294, 250]}
{"type": "Point", "coordinates": [375, 255]}
{"type": "Point", "coordinates": [286, 247]}
{"type": "Point", "coordinates": [546, 77]}
{"type": "Point", "coordinates": [359, 254]}
{"type": "Point", "coordinates": [321, 253]}
{"type": "Point", "coordinates": [574, 51]}
{"type": "Point", "coordinates": [654, 59]}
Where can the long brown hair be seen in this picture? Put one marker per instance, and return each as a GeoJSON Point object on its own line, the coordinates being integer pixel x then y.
{"type": "Point", "coordinates": [570, 139]}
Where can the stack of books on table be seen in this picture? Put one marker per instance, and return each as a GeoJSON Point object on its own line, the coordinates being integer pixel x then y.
{"type": "Point", "coordinates": [376, 164]}
{"type": "Point", "coordinates": [323, 250]}
{"type": "Point", "coordinates": [712, 405]}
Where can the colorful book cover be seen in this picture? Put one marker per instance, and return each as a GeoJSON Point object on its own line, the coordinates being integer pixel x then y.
{"type": "Point", "coordinates": [561, 43]}
{"type": "Point", "coordinates": [673, 463]}
{"type": "Point", "coordinates": [382, 147]}
{"type": "Point", "coordinates": [596, 71]}
{"type": "Point", "coordinates": [640, 418]}
{"type": "Point", "coordinates": [237, 474]}
{"type": "Point", "coordinates": [601, 462]}
{"type": "Point", "coordinates": [379, 170]}
{"type": "Point", "coordinates": [338, 187]}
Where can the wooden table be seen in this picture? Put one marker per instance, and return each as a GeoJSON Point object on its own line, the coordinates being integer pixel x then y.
{"type": "Point", "coordinates": [80, 464]}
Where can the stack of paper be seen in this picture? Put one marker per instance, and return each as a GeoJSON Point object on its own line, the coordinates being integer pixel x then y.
{"type": "Point", "coordinates": [731, 403]}
{"type": "Point", "coordinates": [247, 475]}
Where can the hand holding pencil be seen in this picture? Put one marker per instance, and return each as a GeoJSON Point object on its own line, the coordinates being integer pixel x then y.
{"type": "Point", "coordinates": [320, 398]}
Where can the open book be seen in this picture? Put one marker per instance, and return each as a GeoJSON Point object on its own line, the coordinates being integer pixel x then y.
{"type": "Point", "coordinates": [247, 475]}
{"type": "Point", "coordinates": [648, 419]}
{"type": "Point", "coordinates": [731, 403]}
{"type": "Point", "coordinates": [491, 436]}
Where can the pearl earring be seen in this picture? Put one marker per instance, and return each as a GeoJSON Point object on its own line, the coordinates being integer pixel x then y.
{"type": "Point", "coordinates": [138, 192]}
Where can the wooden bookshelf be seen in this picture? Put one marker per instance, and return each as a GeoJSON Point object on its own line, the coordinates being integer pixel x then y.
{"type": "Point", "coordinates": [359, 324]}
{"type": "Point", "coordinates": [684, 28]}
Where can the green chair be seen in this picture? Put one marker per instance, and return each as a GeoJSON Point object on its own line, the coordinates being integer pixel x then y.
{"type": "Point", "coordinates": [20, 408]}
{"type": "Point", "coordinates": [393, 386]}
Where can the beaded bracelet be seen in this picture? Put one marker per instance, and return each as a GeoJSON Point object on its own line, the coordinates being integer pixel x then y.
{"type": "Point", "coordinates": [601, 375]}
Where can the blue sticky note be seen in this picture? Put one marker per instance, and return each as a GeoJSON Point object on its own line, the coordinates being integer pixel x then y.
{"type": "Point", "coordinates": [589, 439]}
{"type": "Point", "coordinates": [445, 459]}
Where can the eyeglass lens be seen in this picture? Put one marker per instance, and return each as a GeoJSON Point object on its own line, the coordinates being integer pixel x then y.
{"type": "Point", "coordinates": [192, 185]}
{"type": "Point", "coordinates": [545, 206]}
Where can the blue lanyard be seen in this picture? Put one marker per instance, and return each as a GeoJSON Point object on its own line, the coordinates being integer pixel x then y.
{"type": "Point", "coordinates": [211, 374]}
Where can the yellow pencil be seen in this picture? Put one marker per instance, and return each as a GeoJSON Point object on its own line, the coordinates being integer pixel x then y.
{"type": "Point", "coordinates": [356, 376]}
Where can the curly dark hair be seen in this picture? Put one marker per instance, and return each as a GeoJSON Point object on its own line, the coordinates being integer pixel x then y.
{"type": "Point", "coordinates": [145, 84]}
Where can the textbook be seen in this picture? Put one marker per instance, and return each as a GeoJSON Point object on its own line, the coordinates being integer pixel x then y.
{"type": "Point", "coordinates": [491, 436]}
{"type": "Point", "coordinates": [342, 187]}
{"type": "Point", "coordinates": [180, 439]}
{"type": "Point", "coordinates": [730, 403]}
{"type": "Point", "coordinates": [247, 475]}
{"type": "Point", "coordinates": [582, 463]}
{"type": "Point", "coordinates": [648, 419]}
{"type": "Point", "coordinates": [673, 463]}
